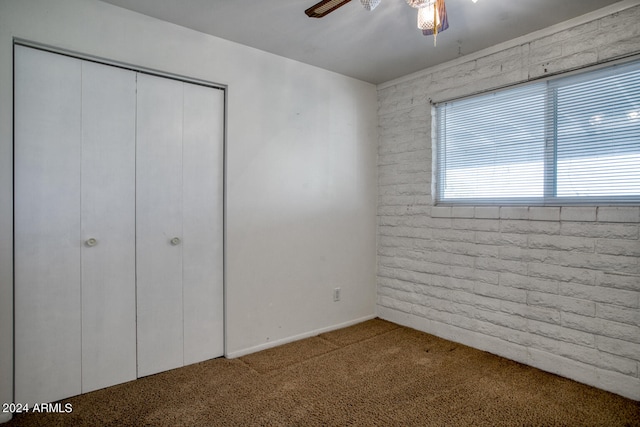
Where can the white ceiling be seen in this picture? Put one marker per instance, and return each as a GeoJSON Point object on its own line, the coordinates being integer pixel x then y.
{"type": "Point", "coordinates": [374, 46]}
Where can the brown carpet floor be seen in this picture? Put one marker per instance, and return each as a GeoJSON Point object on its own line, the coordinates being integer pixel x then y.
{"type": "Point", "coordinates": [372, 374]}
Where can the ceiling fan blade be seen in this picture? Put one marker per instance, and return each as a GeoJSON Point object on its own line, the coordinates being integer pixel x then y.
{"type": "Point", "coordinates": [324, 7]}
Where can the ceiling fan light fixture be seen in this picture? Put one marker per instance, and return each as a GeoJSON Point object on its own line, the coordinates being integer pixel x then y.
{"type": "Point", "coordinates": [428, 17]}
{"type": "Point", "coordinates": [419, 4]}
{"type": "Point", "coordinates": [370, 4]}
{"type": "Point", "coordinates": [433, 19]}
{"type": "Point", "coordinates": [324, 7]}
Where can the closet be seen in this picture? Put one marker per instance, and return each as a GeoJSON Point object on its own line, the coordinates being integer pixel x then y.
{"type": "Point", "coordinates": [118, 195]}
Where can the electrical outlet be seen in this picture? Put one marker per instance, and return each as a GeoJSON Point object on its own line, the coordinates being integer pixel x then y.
{"type": "Point", "coordinates": [336, 294]}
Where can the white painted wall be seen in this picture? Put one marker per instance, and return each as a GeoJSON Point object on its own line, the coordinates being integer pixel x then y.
{"type": "Point", "coordinates": [556, 288]}
{"type": "Point", "coordinates": [301, 169]}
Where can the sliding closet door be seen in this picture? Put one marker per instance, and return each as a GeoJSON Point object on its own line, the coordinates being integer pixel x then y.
{"type": "Point", "coordinates": [108, 217]}
{"type": "Point", "coordinates": [159, 224]}
{"type": "Point", "coordinates": [118, 225]}
{"type": "Point", "coordinates": [179, 223]}
{"type": "Point", "coordinates": [203, 233]}
{"type": "Point", "coordinates": [47, 157]}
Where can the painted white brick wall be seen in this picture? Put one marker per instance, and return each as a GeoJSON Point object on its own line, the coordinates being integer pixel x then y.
{"type": "Point", "coordinates": [556, 288]}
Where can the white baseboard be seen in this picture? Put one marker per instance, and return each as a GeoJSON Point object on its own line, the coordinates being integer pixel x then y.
{"type": "Point", "coordinates": [244, 352]}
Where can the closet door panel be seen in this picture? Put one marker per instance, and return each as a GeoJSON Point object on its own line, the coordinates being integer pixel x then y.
{"type": "Point", "coordinates": [203, 223]}
{"type": "Point", "coordinates": [158, 221]}
{"type": "Point", "coordinates": [47, 226]}
{"type": "Point", "coordinates": [108, 216]}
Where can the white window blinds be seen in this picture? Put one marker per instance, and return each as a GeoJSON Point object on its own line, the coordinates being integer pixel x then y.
{"type": "Point", "coordinates": [568, 140]}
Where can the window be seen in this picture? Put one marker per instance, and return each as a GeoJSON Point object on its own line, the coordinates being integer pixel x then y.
{"type": "Point", "coordinates": [568, 140]}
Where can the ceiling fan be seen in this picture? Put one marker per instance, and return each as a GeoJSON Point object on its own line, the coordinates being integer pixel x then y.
{"type": "Point", "coordinates": [324, 8]}
{"type": "Point", "coordinates": [432, 14]}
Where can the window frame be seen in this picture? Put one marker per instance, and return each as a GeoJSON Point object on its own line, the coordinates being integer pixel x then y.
{"type": "Point", "coordinates": [550, 178]}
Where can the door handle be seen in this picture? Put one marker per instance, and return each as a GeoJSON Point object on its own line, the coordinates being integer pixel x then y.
{"type": "Point", "coordinates": [175, 241]}
{"type": "Point", "coordinates": [91, 242]}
